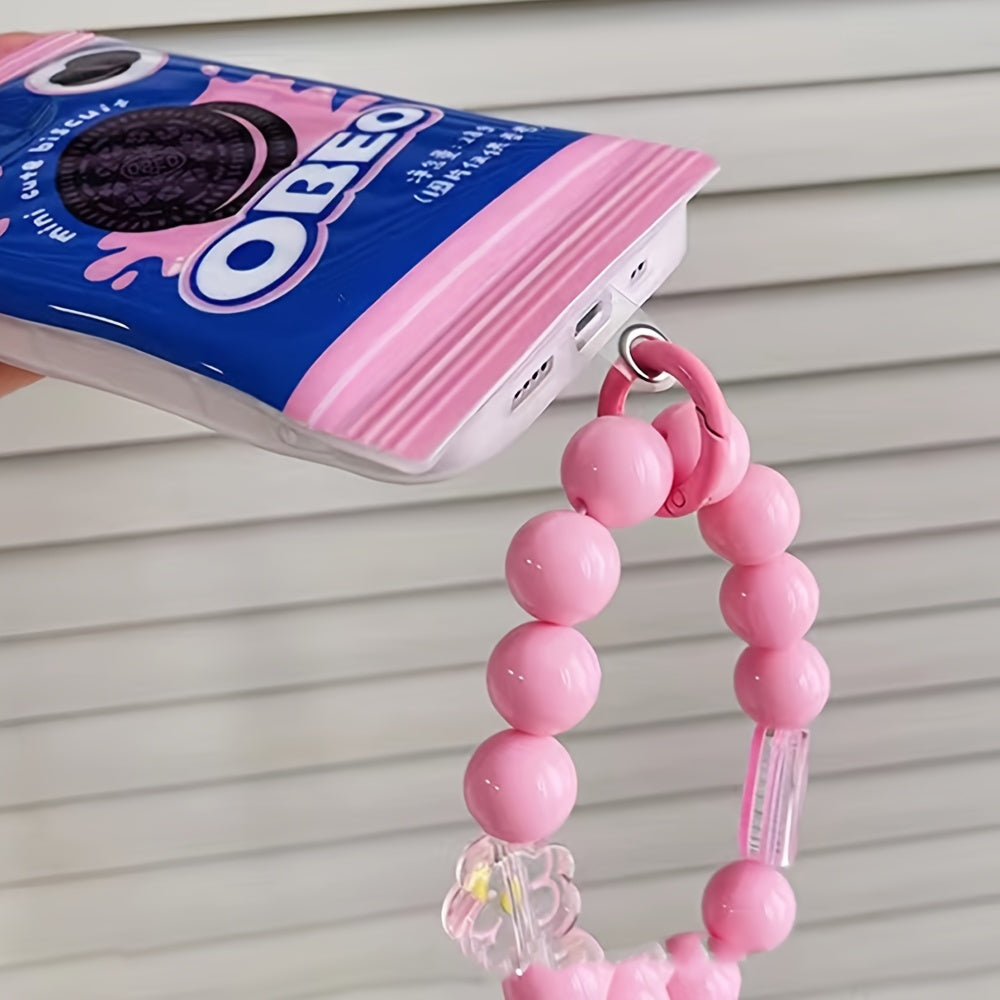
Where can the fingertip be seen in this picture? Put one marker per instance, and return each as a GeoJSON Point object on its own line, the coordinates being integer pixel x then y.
{"type": "Point", "coordinates": [15, 378]}
{"type": "Point", "coordinates": [15, 40]}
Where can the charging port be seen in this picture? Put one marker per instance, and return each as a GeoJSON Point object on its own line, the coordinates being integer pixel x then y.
{"type": "Point", "coordinates": [588, 326]}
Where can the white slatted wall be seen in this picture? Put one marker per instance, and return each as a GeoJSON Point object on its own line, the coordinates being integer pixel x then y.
{"type": "Point", "coordinates": [237, 691]}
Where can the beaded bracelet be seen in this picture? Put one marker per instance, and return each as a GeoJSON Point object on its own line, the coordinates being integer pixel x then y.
{"type": "Point", "coordinates": [514, 908]}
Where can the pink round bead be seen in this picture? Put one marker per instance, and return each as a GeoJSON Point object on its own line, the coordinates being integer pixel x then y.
{"type": "Point", "coordinates": [756, 522]}
{"type": "Point", "coordinates": [738, 463]}
{"type": "Point", "coordinates": [749, 907]}
{"type": "Point", "coordinates": [699, 975]}
{"type": "Point", "coordinates": [681, 428]}
{"type": "Point", "coordinates": [585, 981]}
{"type": "Point", "coordinates": [618, 470]}
{"type": "Point", "coordinates": [722, 952]}
{"type": "Point", "coordinates": [772, 605]}
{"type": "Point", "coordinates": [543, 679]}
{"type": "Point", "coordinates": [563, 567]}
{"type": "Point", "coordinates": [520, 788]}
{"type": "Point", "coordinates": [640, 978]}
{"type": "Point", "coordinates": [782, 688]}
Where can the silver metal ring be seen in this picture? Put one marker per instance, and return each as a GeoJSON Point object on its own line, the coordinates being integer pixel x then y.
{"type": "Point", "coordinates": [628, 339]}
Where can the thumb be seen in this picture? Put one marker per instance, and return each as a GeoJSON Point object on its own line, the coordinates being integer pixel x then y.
{"type": "Point", "coordinates": [14, 41]}
{"type": "Point", "coordinates": [14, 378]}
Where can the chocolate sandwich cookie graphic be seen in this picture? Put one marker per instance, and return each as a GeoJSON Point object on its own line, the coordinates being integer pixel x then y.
{"type": "Point", "coordinates": [96, 67]}
{"type": "Point", "coordinates": [159, 168]}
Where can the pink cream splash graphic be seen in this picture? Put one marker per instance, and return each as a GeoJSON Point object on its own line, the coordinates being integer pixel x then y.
{"type": "Point", "coordinates": [310, 115]}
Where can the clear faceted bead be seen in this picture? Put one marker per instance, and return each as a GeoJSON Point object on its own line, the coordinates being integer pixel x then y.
{"type": "Point", "coordinates": [512, 907]}
{"type": "Point", "coordinates": [577, 947]}
{"type": "Point", "coordinates": [773, 795]}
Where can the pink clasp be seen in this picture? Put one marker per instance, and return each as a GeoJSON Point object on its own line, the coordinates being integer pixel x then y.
{"type": "Point", "coordinates": [649, 359]}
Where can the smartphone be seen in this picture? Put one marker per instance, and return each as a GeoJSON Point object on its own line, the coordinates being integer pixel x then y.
{"type": "Point", "coordinates": [373, 282]}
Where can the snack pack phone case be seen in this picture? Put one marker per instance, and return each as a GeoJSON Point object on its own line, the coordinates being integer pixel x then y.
{"type": "Point", "coordinates": [323, 271]}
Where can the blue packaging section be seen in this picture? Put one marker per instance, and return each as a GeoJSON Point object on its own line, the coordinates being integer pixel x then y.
{"type": "Point", "coordinates": [387, 183]}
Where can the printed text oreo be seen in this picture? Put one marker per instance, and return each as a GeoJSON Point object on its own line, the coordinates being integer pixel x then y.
{"type": "Point", "coordinates": [283, 231]}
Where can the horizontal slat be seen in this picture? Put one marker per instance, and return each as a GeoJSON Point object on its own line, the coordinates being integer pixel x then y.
{"type": "Point", "coordinates": [798, 136]}
{"type": "Point", "coordinates": [281, 563]}
{"type": "Point", "coordinates": [308, 963]}
{"type": "Point", "coordinates": [116, 14]}
{"type": "Point", "coordinates": [624, 842]}
{"type": "Point", "coordinates": [167, 908]}
{"type": "Point", "coordinates": [651, 761]}
{"type": "Point", "coordinates": [757, 333]}
{"type": "Point", "coordinates": [304, 646]}
{"type": "Point", "coordinates": [907, 493]}
{"type": "Point", "coordinates": [417, 790]}
{"type": "Point", "coordinates": [355, 953]}
{"type": "Point", "coordinates": [300, 809]}
{"type": "Point", "coordinates": [282, 814]}
{"type": "Point", "coordinates": [836, 325]}
{"type": "Point", "coordinates": [830, 886]}
{"type": "Point", "coordinates": [935, 942]}
{"type": "Point", "coordinates": [983, 985]}
{"type": "Point", "coordinates": [86, 979]}
{"type": "Point", "coordinates": [740, 241]}
{"type": "Point", "coordinates": [220, 740]}
{"type": "Point", "coordinates": [548, 52]}
{"type": "Point", "coordinates": [55, 415]}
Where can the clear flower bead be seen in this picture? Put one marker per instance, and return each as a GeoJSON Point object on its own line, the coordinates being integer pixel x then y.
{"type": "Point", "coordinates": [512, 907]}
{"type": "Point", "coordinates": [773, 794]}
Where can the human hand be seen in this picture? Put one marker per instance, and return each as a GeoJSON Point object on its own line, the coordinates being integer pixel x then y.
{"type": "Point", "coordinates": [14, 378]}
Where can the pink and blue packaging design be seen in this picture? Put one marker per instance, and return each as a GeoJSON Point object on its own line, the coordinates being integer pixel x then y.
{"type": "Point", "coordinates": [208, 238]}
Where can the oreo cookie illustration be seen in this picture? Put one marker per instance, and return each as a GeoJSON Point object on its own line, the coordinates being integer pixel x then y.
{"type": "Point", "coordinates": [280, 144]}
{"type": "Point", "coordinates": [96, 67]}
{"type": "Point", "coordinates": [159, 168]}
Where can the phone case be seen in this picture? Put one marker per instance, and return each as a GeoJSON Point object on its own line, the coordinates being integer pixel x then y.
{"type": "Point", "coordinates": [376, 283]}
